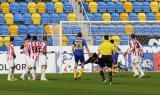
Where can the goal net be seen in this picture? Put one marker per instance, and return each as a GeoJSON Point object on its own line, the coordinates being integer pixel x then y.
{"type": "Point", "coordinates": [147, 32]}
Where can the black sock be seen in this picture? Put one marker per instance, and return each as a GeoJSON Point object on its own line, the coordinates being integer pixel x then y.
{"type": "Point", "coordinates": [110, 76]}
{"type": "Point", "coordinates": [102, 75]}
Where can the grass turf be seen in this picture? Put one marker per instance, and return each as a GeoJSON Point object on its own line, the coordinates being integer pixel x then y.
{"type": "Point", "coordinates": [123, 84]}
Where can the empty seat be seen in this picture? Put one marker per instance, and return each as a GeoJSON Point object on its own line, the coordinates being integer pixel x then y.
{"type": "Point", "coordinates": [18, 41]}
{"type": "Point", "coordinates": [58, 7]}
{"type": "Point", "coordinates": [124, 17]}
{"type": "Point", "coordinates": [4, 30]}
{"type": "Point", "coordinates": [5, 7]}
{"type": "Point", "coordinates": [41, 7]}
{"type": "Point", "coordinates": [48, 29]}
{"type": "Point", "coordinates": [36, 18]}
{"type": "Point", "coordinates": [1, 19]}
{"type": "Point", "coordinates": [71, 39]}
{"type": "Point", "coordinates": [14, 7]}
{"type": "Point", "coordinates": [76, 29]}
{"type": "Point", "coordinates": [72, 17]}
{"type": "Point", "coordinates": [45, 18]}
{"type": "Point", "coordinates": [110, 7]}
{"type": "Point", "coordinates": [68, 7]}
{"type": "Point", "coordinates": [142, 17]}
{"type": "Point", "coordinates": [124, 40]}
{"type": "Point", "coordinates": [22, 29]}
{"type": "Point", "coordinates": [93, 7]}
{"type": "Point", "coordinates": [94, 29]}
{"type": "Point", "coordinates": [9, 19]}
{"type": "Point", "coordinates": [49, 7]}
{"type": "Point", "coordinates": [111, 29]}
{"type": "Point", "coordinates": [155, 29]}
{"type": "Point", "coordinates": [6, 40]}
{"type": "Point", "coordinates": [137, 7]}
{"type": "Point", "coordinates": [150, 16]}
{"type": "Point", "coordinates": [31, 29]}
{"type": "Point", "coordinates": [63, 17]}
{"type": "Point", "coordinates": [128, 7]}
{"type": "Point", "coordinates": [18, 17]}
{"type": "Point", "coordinates": [28, 0]}
{"type": "Point", "coordinates": [85, 6]}
{"type": "Point", "coordinates": [67, 30]}
{"type": "Point", "coordinates": [54, 18]}
{"type": "Point", "coordinates": [147, 29]}
{"type": "Point", "coordinates": [13, 29]}
{"type": "Point", "coordinates": [2, 0]}
{"type": "Point", "coordinates": [138, 29]}
{"type": "Point", "coordinates": [157, 15]}
{"type": "Point", "coordinates": [39, 30]}
{"type": "Point", "coordinates": [97, 17]}
{"type": "Point", "coordinates": [1, 41]}
{"type": "Point", "coordinates": [120, 30]}
{"type": "Point", "coordinates": [102, 7]}
{"type": "Point", "coordinates": [89, 16]}
{"type": "Point", "coordinates": [32, 7]}
{"type": "Point", "coordinates": [133, 17]}
{"type": "Point", "coordinates": [23, 8]}
{"type": "Point", "coordinates": [115, 17]}
{"type": "Point", "coordinates": [102, 30]}
{"type": "Point", "coordinates": [119, 7]}
{"type": "Point", "coordinates": [54, 0]}
{"type": "Point", "coordinates": [154, 6]}
{"type": "Point", "coordinates": [145, 6]}
{"type": "Point", "coordinates": [64, 41]}
{"type": "Point", "coordinates": [27, 18]}
{"type": "Point", "coordinates": [106, 17]}
{"type": "Point", "coordinates": [129, 29]}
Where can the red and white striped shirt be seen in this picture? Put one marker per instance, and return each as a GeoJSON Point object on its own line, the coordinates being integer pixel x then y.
{"type": "Point", "coordinates": [27, 48]}
{"type": "Point", "coordinates": [10, 55]}
{"type": "Point", "coordinates": [34, 49]}
{"type": "Point", "coordinates": [42, 48]}
{"type": "Point", "coordinates": [135, 47]}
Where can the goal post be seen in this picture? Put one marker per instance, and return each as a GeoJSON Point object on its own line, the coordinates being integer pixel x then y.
{"type": "Point", "coordinates": [148, 33]}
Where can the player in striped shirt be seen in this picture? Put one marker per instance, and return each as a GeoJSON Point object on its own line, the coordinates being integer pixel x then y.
{"type": "Point", "coordinates": [136, 50]}
{"type": "Point", "coordinates": [10, 59]}
{"type": "Point", "coordinates": [43, 58]}
{"type": "Point", "coordinates": [26, 49]}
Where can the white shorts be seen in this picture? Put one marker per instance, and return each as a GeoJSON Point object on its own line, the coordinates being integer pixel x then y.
{"type": "Point", "coordinates": [27, 59]}
{"type": "Point", "coordinates": [32, 62]}
{"type": "Point", "coordinates": [42, 60]}
{"type": "Point", "coordinates": [121, 59]}
{"type": "Point", "coordinates": [136, 59]}
{"type": "Point", "coordinates": [11, 63]}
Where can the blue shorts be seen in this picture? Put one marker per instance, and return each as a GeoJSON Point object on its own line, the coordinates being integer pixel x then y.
{"type": "Point", "coordinates": [115, 61]}
{"type": "Point", "coordinates": [79, 57]}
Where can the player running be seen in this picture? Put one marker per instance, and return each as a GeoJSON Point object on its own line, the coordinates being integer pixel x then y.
{"type": "Point", "coordinates": [78, 51]}
{"type": "Point", "coordinates": [10, 59]}
{"type": "Point", "coordinates": [43, 58]}
{"type": "Point", "coordinates": [26, 49]}
{"type": "Point", "coordinates": [136, 54]}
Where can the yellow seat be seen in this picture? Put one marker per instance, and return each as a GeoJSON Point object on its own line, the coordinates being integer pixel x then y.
{"type": "Point", "coordinates": [106, 17]}
{"type": "Point", "coordinates": [11, 0]}
{"type": "Point", "coordinates": [142, 17]}
{"type": "Point", "coordinates": [13, 29]}
{"type": "Point", "coordinates": [32, 7]}
{"type": "Point", "coordinates": [5, 7]}
{"type": "Point", "coordinates": [157, 15]}
{"type": "Point", "coordinates": [36, 18]}
{"type": "Point", "coordinates": [89, 0]}
{"type": "Point", "coordinates": [114, 0]}
{"type": "Point", "coordinates": [1, 41]}
{"type": "Point", "coordinates": [64, 41]}
{"type": "Point", "coordinates": [124, 17]}
{"type": "Point", "coordinates": [93, 7]}
{"type": "Point", "coordinates": [157, 0]}
{"type": "Point", "coordinates": [48, 29]}
{"type": "Point", "coordinates": [9, 19]}
{"type": "Point", "coordinates": [128, 29]}
{"type": "Point", "coordinates": [128, 7]}
{"type": "Point", "coordinates": [56, 29]}
{"type": "Point", "coordinates": [123, 0]}
{"type": "Point", "coordinates": [72, 17]}
{"type": "Point", "coordinates": [41, 7]}
{"type": "Point", "coordinates": [55, 0]}
{"type": "Point", "coordinates": [80, 0]}
{"type": "Point", "coordinates": [58, 7]}
{"type": "Point", "coordinates": [154, 6]}
{"type": "Point", "coordinates": [116, 40]}
{"type": "Point", "coordinates": [6, 40]}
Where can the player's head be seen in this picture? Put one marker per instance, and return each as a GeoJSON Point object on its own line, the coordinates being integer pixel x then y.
{"type": "Point", "coordinates": [133, 36]}
{"type": "Point", "coordinates": [112, 41]}
{"type": "Point", "coordinates": [11, 39]}
{"type": "Point", "coordinates": [44, 38]}
{"type": "Point", "coordinates": [79, 35]}
{"type": "Point", "coordinates": [106, 37]}
{"type": "Point", "coordinates": [28, 37]}
{"type": "Point", "coordinates": [34, 38]}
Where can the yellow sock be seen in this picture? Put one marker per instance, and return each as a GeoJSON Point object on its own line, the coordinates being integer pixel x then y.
{"type": "Point", "coordinates": [81, 72]}
{"type": "Point", "coordinates": [75, 73]}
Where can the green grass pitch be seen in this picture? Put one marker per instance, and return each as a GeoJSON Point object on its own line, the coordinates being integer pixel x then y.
{"type": "Point", "coordinates": [63, 84]}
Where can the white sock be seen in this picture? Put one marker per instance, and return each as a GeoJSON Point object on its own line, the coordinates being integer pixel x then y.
{"type": "Point", "coordinates": [25, 72]}
{"type": "Point", "coordinates": [12, 75]}
{"type": "Point", "coordinates": [140, 69]}
{"type": "Point", "coordinates": [33, 73]}
{"type": "Point", "coordinates": [135, 70]}
{"type": "Point", "coordinates": [9, 73]}
{"type": "Point", "coordinates": [43, 74]}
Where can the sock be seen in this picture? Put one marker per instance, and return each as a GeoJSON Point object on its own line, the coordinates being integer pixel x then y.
{"type": "Point", "coordinates": [81, 72]}
{"type": "Point", "coordinates": [102, 75]}
{"type": "Point", "coordinates": [110, 76]}
{"type": "Point", "coordinates": [135, 70]}
{"type": "Point", "coordinates": [9, 74]}
{"type": "Point", "coordinates": [43, 74]}
{"type": "Point", "coordinates": [12, 75]}
{"type": "Point", "coordinates": [24, 73]}
{"type": "Point", "coordinates": [33, 73]}
{"type": "Point", "coordinates": [75, 73]}
{"type": "Point", "coordinates": [140, 69]}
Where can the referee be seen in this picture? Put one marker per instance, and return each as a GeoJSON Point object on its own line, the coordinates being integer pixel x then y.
{"type": "Point", "coordinates": [105, 58]}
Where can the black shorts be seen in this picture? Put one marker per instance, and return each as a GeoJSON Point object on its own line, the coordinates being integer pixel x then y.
{"type": "Point", "coordinates": [106, 60]}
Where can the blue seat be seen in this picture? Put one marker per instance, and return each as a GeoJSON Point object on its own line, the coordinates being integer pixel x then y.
{"type": "Point", "coordinates": [111, 29]}
{"type": "Point", "coordinates": [18, 41]}
{"type": "Point", "coordinates": [31, 29]}
{"type": "Point", "coordinates": [67, 30]}
{"type": "Point", "coordinates": [132, 0]}
{"type": "Point", "coordinates": [133, 17]}
{"type": "Point", "coordinates": [146, 6]}
{"type": "Point", "coordinates": [37, 0]}
{"type": "Point", "coordinates": [45, 18]}
{"type": "Point", "coordinates": [120, 29]}
{"type": "Point", "coordinates": [138, 29]}
{"type": "Point", "coordinates": [119, 7]}
{"type": "Point", "coordinates": [68, 7]}
{"type": "Point", "coordinates": [1, 19]}
{"type": "Point", "coordinates": [147, 29]}
{"type": "Point", "coordinates": [125, 40]}
{"type": "Point", "coordinates": [115, 17]}
{"type": "Point", "coordinates": [150, 16]}
{"type": "Point", "coordinates": [4, 30]}
{"type": "Point", "coordinates": [39, 29]}
{"type": "Point", "coordinates": [155, 29]}
{"type": "Point", "coordinates": [97, 40]}
{"type": "Point", "coordinates": [22, 29]}
{"type": "Point", "coordinates": [2, 0]}
{"type": "Point", "coordinates": [71, 39]}
{"type": "Point", "coordinates": [149, 0]}
{"type": "Point", "coordinates": [97, 17]}
{"type": "Point", "coordinates": [102, 7]}
{"type": "Point", "coordinates": [54, 18]}
{"type": "Point", "coordinates": [102, 30]}
{"type": "Point", "coordinates": [55, 40]}
{"type": "Point", "coordinates": [85, 6]}
{"type": "Point", "coordinates": [64, 0]}
{"type": "Point", "coordinates": [27, 18]}
{"type": "Point", "coordinates": [94, 29]}
{"type": "Point", "coordinates": [23, 7]}
{"type": "Point", "coordinates": [63, 17]}
{"type": "Point", "coordinates": [14, 7]}
{"type": "Point", "coordinates": [28, 0]}
{"type": "Point", "coordinates": [50, 7]}
{"type": "Point", "coordinates": [89, 17]}
{"type": "Point", "coordinates": [137, 6]}
{"type": "Point", "coordinates": [106, 0]}
{"type": "Point", "coordinates": [18, 17]}
{"type": "Point", "coordinates": [75, 29]}
{"type": "Point", "coordinates": [39, 39]}
{"type": "Point", "coordinates": [110, 7]}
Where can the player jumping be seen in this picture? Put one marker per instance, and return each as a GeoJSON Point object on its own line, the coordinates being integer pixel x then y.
{"type": "Point", "coordinates": [78, 51]}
